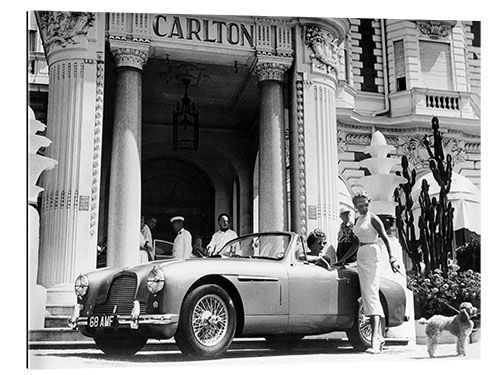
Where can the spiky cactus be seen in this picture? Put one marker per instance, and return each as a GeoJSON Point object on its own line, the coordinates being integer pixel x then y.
{"type": "Point", "coordinates": [404, 216]}
{"type": "Point", "coordinates": [436, 219]}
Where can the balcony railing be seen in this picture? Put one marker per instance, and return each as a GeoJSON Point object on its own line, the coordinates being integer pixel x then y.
{"type": "Point", "coordinates": [442, 102]}
{"type": "Point", "coordinates": [423, 101]}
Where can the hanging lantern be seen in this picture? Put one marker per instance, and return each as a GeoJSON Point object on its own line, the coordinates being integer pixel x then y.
{"type": "Point", "coordinates": [186, 122]}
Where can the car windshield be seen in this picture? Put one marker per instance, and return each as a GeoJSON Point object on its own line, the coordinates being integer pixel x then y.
{"type": "Point", "coordinates": [260, 246]}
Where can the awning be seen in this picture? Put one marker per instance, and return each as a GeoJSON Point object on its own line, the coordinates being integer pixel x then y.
{"type": "Point", "coordinates": [464, 196]}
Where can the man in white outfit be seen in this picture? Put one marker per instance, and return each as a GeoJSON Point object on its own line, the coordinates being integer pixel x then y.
{"type": "Point", "coordinates": [222, 236]}
{"type": "Point", "coordinates": [182, 244]}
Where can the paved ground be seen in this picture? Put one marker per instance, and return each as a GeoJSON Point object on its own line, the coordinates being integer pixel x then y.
{"type": "Point", "coordinates": [250, 355]}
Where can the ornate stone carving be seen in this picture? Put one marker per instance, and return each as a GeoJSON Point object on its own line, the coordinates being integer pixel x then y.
{"type": "Point", "coordinates": [96, 157]}
{"type": "Point", "coordinates": [271, 71]}
{"type": "Point", "coordinates": [325, 48]}
{"type": "Point", "coordinates": [392, 141]}
{"type": "Point", "coordinates": [61, 28]}
{"type": "Point", "coordinates": [301, 160]}
{"type": "Point", "coordinates": [435, 29]}
{"type": "Point", "coordinates": [473, 148]}
{"type": "Point", "coordinates": [358, 139]}
{"type": "Point", "coordinates": [341, 142]}
{"type": "Point", "coordinates": [273, 20]}
{"type": "Point", "coordinates": [129, 57]}
{"type": "Point", "coordinates": [455, 148]}
{"type": "Point", "coordinates": [414, 149]}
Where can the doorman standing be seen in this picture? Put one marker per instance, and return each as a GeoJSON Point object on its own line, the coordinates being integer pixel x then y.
{"type": "Point", "coordinates": [182, 244]}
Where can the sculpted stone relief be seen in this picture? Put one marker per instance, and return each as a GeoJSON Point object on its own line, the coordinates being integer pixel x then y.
{"type": "Point", "coordinates": [325, 49]}
{"type": "Point", "coordinates": [435, 29]}
{"type": "Point", "coordinates": [61, 28]}
{"type": "Point", "coordinates": [412, 146]}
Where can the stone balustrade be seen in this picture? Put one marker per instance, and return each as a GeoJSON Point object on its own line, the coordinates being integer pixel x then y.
{"type": "Point", "coordinates": [449, 102]}
{"type": "Point", "coordinates": [432, 102]}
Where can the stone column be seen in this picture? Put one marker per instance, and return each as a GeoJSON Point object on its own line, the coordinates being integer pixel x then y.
{"type": "Point", "coordinates": [272, 184]}
{"type": "Point", "coordinates": [74, 46]}
{"type": "Point", "coordinates": [125, 177]}
{"type": "Point", "coordinates": [313, 127]}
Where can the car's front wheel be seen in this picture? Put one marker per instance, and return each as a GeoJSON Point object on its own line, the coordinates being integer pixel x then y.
{"type": "Point", "coordinates": [207, 322]}
{"type": "Point", "coordinates": [120, 344]}
{"type": "Point", "coordinates": [360, 334]}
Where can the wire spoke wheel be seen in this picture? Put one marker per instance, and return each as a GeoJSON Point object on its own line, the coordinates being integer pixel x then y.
{"type": "Point", "coordinates": [365, 328]}
{"type": "Point", "coordinates": [210, 320]}
{"type": "Point", "coordinates": [207, 322]}
{"type": "Point", "coordinates": [360, 334]}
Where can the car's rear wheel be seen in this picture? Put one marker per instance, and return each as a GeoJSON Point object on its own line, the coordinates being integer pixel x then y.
{"type": "Point", "coordinates": [360, 334]}
{"type": "Point", "coordinates": [120, 344]}
{"type": "Point", "coordinates": [207, 322]}
{"type": "Point", "coordinates": [283, 342]}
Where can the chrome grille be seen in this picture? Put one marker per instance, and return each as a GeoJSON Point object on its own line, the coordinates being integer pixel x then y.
{"type": "Point", "coordinates": [121, 294]}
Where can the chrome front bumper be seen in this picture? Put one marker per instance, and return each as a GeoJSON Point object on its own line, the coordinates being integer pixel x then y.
{"type": "Point", "coordinates": [134, 320]}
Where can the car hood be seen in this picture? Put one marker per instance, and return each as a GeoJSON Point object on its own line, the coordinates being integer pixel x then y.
{"type": "Point", "coordinates": [187, 270]}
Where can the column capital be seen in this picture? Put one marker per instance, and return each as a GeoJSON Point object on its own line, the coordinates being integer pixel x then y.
{"type": "Point", "coordinates": [130, 56]}
{"type": "Point", "coordinates": [272, 68]}
{"type": "Point", "coordinates": [71, 35]}
{"type": "Point", "coordinates": [62, 29]}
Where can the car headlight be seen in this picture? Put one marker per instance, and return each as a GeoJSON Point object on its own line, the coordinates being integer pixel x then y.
{"type": "Point", "coordinates": [156, 280]}
{"type": "Point", "coordinates": [81, 285]}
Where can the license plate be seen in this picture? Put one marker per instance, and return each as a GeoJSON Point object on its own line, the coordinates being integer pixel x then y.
{"type": "Point", "coordinates": [100, 321]}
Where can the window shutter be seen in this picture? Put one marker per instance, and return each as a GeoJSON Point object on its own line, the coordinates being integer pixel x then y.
{"type": "Point", "coordinates": [435, 62]}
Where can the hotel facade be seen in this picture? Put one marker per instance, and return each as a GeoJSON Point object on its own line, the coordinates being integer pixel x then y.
{"type": "Point", "coordinates": [285, 110]}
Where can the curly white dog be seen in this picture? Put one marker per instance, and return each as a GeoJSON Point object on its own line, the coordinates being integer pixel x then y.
{"type": "Point", "coordinates": [459, 325]}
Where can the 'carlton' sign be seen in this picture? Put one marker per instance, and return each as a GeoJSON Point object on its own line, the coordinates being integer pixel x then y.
{"type": "Point", "coordinates": [203, 30]}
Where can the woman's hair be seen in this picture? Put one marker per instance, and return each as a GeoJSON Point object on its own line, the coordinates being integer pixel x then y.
{"type": "Point", "coordinates": [360, 195]}
{"type": "Point", "coordinates": [314, 235]}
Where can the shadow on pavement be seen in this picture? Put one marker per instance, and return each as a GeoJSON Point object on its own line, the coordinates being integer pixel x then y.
{"type": "Point", "coordinates": [174, 355]}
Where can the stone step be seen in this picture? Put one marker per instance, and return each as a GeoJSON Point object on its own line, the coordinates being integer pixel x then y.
{"type": "Point", "coordinates": [56, 321]}
{"type": "Point", "coordinates": [65, 310]}
{"type": "Point", "coordinates": [55, 335]}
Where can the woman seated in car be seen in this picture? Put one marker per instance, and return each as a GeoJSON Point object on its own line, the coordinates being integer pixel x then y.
{"type": "Point", "coordinates": [317, 254]}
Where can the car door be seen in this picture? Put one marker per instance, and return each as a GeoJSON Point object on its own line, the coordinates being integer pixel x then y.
{"type": "Point", "coordinates": [260, 277]}
{"type": "Point", "coordinates": [313, 291]}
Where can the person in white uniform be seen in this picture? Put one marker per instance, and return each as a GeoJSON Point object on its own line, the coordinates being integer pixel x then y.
{"type": "Point", "coordinates": [368, 228]}
{"type": "Point", "coordinates": [222, 236]}
{"type": "Point", "coordinates": [182, 244]}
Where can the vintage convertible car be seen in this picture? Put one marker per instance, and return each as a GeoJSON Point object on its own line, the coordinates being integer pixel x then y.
{"type": "Point", "coordinates": [257, 285]}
